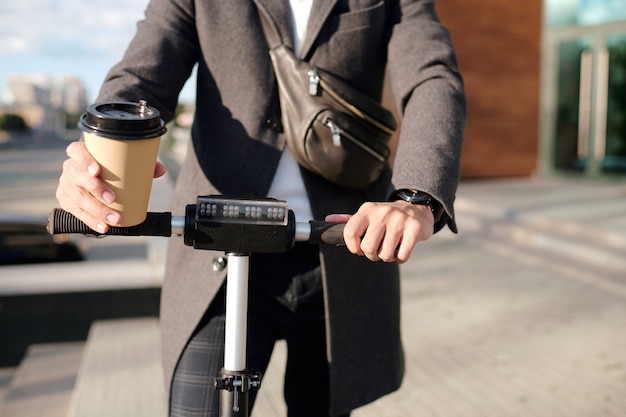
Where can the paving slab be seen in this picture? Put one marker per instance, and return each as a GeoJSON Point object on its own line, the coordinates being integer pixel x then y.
{"type": "Point", "coordinates": [28, 181]}
{"type": "Point", "coordinates": [120, 373]}
{"type": "Point", "coordinates": [520, 314]}
{"type": "Point", "coordinates": [43, 383]}
{"type": "Point", "coordinates": [588, 208]}
{"type": "Point", "coordinates": [6, 375]}
{"type": "Point", "coordinates": [493, 329]}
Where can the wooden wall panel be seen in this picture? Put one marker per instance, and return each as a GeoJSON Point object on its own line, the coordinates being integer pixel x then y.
{"type": "Point", "coordinates": [498, 44]}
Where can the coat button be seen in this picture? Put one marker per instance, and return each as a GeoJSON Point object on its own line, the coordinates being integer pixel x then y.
{"type": "Point", "coordinates": [275, 124]}
{"type": "Point", "coordinates": [219, 264]}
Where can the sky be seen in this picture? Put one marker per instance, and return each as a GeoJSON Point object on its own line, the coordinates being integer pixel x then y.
{"type": "Point", "coordinates": [67, 37]}
{"type": "Point", "coordinates": [584, 12]}
{"type": "Point", "coordinates": [87, 37]}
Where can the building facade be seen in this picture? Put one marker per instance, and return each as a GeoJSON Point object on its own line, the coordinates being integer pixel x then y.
{"type": "Point", "coordinates": [546, 86]}
{"type": "Point", "coordinates": [45, 102]}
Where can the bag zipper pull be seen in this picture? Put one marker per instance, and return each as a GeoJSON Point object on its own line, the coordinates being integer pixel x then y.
{"type": "Point", "coordinates": [334, 131]}
{"type": "Point", "coordinates": [314, 82]}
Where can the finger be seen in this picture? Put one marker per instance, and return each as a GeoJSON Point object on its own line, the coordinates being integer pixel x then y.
{"type": "Point", "coordinates": [159, 170]}
{"type": "Point", "coordinates": [77, 151]}
{"type": "Point", "coordinates": [82, 176]}
{"type": "Point", "coordinates": [82, 193]}
{"type": "Point", "coordinates": [390, 245]}
{"type": "Point", "coordinates": [353, 232]}
{"type": "Point", "coordinates": [338, 218]}
{"type": "Point", "coordinates": [372, 242]}
{"type": "Point", "coordinates": [405, 248]}
{"type": "Point", "coordinates": [84, 170]}
{"type": "Point", "coordinates": [85, 207]}
{"type": "Point", "coordinates": [418, 228]}
{"type": "Point", "coordinates": [396, 226]}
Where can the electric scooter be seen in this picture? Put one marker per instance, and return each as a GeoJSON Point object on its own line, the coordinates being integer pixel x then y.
{"type": "Point", "coordinates": [239, 227]}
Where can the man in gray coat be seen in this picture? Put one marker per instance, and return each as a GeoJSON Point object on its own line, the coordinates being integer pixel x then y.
{"type": "Point", "coordinates": [338, 312]}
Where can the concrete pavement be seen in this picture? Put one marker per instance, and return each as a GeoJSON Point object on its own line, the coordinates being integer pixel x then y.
{"type": "Point", "coordinates": [521, 314]}
{"type": "Point", "coordinates": [581, 219]}
{"type": "Point", "coordinates": [28, 181]}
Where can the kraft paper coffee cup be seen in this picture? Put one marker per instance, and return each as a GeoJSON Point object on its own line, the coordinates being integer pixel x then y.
{"type": "Point", "coordinates": [124, 138]}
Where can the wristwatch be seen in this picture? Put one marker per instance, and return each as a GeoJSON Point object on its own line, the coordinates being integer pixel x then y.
{"type": "Point", "coordinates": [420, 198]}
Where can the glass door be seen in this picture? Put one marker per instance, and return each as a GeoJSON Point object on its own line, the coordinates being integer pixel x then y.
{"type": "Point", "coordinates": [584, 101]}
{"type": "Point", "coordinates": [570, 146]}
{"type": "Point", "coordinates": [615, 132]}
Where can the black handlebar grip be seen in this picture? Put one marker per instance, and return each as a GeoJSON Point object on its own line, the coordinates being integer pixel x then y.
{"type": "Point", "coordinates": [156, 224]}
{"type": "Point", "coordinates": [326, 233]}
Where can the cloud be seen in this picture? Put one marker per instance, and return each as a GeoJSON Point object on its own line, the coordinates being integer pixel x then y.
{"type": "Point", "coordinates": [84, 38]}
{"type": "Point", "coordinates": [14, 44]}
{"type": "Point", "coordinates": [67, 26]}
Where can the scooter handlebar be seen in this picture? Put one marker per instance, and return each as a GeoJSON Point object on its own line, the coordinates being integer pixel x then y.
{"type": "Point", "coordinates": [326, 233]}
{"type": "Point", "coordinates": [156, 224]}
{"type": "Point", "coordinates": [164, 224]}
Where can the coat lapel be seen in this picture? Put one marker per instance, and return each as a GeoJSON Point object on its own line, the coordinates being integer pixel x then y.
{"type": "Point", "coordinates": [278, 10]}
{"type": "Point", "coordinates": [319, 13]}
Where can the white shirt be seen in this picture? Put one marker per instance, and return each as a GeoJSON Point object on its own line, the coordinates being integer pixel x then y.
{"type": "Point", "coordinates": [288, 184]}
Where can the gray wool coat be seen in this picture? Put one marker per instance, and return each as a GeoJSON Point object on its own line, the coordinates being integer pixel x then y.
{"type": "Point", "coordinates": [235, 150]}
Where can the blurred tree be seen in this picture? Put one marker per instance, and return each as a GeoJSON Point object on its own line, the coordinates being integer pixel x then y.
{"type": "Point", "coordinates": [13, 123]}
{"type": "Point", "coordinates": [71, 120]}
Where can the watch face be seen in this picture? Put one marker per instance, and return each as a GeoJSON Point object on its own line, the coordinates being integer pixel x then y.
{"type": "Point", "coordinates": [415, 197]}
{"type": "Point", "coordinates": [421, 198]}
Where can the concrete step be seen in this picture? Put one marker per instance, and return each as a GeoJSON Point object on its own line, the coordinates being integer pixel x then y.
{"type": "Point", "coordinates": [270, 400]}
{"type": "Point", "coordinates": [6, 375]}
{"type": "Point", "coordinates": [43, 382]}
{"type": "Point", "coordinates": [584, 244]}
{"type": "Point", "coordinates": [120, 373]}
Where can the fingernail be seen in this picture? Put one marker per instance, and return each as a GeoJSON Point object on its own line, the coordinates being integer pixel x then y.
{"type": "Point", "coordinates": [108, 197]}
{"type": "Point", "coordinates": [113, 218]}
{"type": "Point", "coordinates": [100, 228]}
{"type": "Point", "coordinates": [92, 169]}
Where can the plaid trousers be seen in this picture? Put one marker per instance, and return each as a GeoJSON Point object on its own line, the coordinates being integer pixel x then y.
{"type": "Point", "coordinates": [285, 302]}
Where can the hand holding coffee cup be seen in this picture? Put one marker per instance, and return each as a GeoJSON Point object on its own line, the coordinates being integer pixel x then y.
{"type": "Point", "coordinates": [124, 139]}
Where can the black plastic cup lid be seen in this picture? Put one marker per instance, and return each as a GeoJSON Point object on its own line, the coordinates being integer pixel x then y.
{"type": "Point", "coordinates": [122, 120]}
